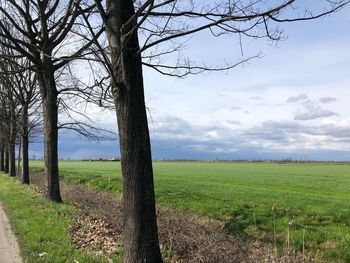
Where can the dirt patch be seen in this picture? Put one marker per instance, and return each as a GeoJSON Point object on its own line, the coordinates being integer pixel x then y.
{"type": "Point", "coordinates": [95, 235]}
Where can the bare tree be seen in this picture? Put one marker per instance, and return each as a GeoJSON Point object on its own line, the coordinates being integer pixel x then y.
{"type": "Point", "coordinates": [43, 32]}
{"type": "Point", "coordinates": [27, 95]}
{"type": "Point", "coordinates": [148, 33]}
{"type": "Point", "coordinates": [23, 86]}
{"type": "Point", "coordinates": [9, 119]}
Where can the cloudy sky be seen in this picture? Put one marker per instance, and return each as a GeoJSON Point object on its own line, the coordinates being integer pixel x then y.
{"type": "Point", "coordinates": [291, 102]}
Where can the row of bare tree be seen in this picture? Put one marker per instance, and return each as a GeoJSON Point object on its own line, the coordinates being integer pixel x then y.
{"type": "Point", "coordinates": [42, 41]}
{"type": "Point", "coordinates": [19, 111]}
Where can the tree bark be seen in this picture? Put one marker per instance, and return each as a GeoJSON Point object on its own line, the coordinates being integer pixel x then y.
{"type": "Point", "coordinates": [12, 141]}
{"type": "Point", "coordinates": [12, 159]}
{"type": "Point", "coordinates": [49, 94]}
{"type": "Point", "coordinates": [7, 160]}
{"type": "Point", "coordinates": [25, 145]}
{"type": "Point", "coordinates": [140, 224]}
{"type": "Point", "coordinates": [2, 157]}
{"type": "Point", "coordinates": [12, 134]}
{"type": "Point", "coordinates": [12, 154]}
{"type": "Point", "coordinates": [141, 243]}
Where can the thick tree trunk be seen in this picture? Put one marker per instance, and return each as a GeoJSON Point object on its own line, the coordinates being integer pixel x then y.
{"type": "Point", "coordinates": [48, 90]}
{"type": "Point", "coordinates": [141, 243]}
{"type": "Point", "coordinates": [25, 145]}
{"type": "Point", "coordinates": [2, 157]}
{"type": "Point", "coordinates": [51, 147]}
{"type": "Point", "coordinates": [140, 223]}
{"type": "Point", "coordinates": [7, 160]}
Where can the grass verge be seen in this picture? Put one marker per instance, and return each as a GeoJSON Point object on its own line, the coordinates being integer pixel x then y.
{"type": "Point", "coordinates": [41, 226]}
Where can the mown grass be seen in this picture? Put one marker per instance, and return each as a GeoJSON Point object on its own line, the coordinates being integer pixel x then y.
{"type": "Point", "coordinates": [312, 197]}
{"type": "Point", "coordinates": [41, 226]}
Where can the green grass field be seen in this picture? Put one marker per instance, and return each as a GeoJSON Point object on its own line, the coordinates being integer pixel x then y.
{"type": "Point", "coordinates": [41, 226]}
{"type": "Point", "coordinates": [314, 198]}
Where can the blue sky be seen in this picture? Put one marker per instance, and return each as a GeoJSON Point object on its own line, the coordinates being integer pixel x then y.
{"type": "Point", "coordinates": [291, 102]}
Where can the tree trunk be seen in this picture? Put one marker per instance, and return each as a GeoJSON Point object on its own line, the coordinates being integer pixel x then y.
{"type": "Point", "coordinates": [12, 159]}
{"type": "Point", "coordinates": [141, 243]}
{"type": "Point", "coordinates": [48, 90]}
{"type": "Point", "coordinates": [7, 160]}
{"type": "Point", "coordinates": [25, 144]}
{"type": "Point", "coordinates": [2, 157]}
{"type": "Point", "coordinates": [19, 169]}
{"type": "Point", "coordinates": [140, 224]}
{"type": "Point", "coordinates": [12, 141]}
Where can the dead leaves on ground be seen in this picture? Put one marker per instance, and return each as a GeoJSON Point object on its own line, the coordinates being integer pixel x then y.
{"type": "Point", "coordinates": [96, 236]}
